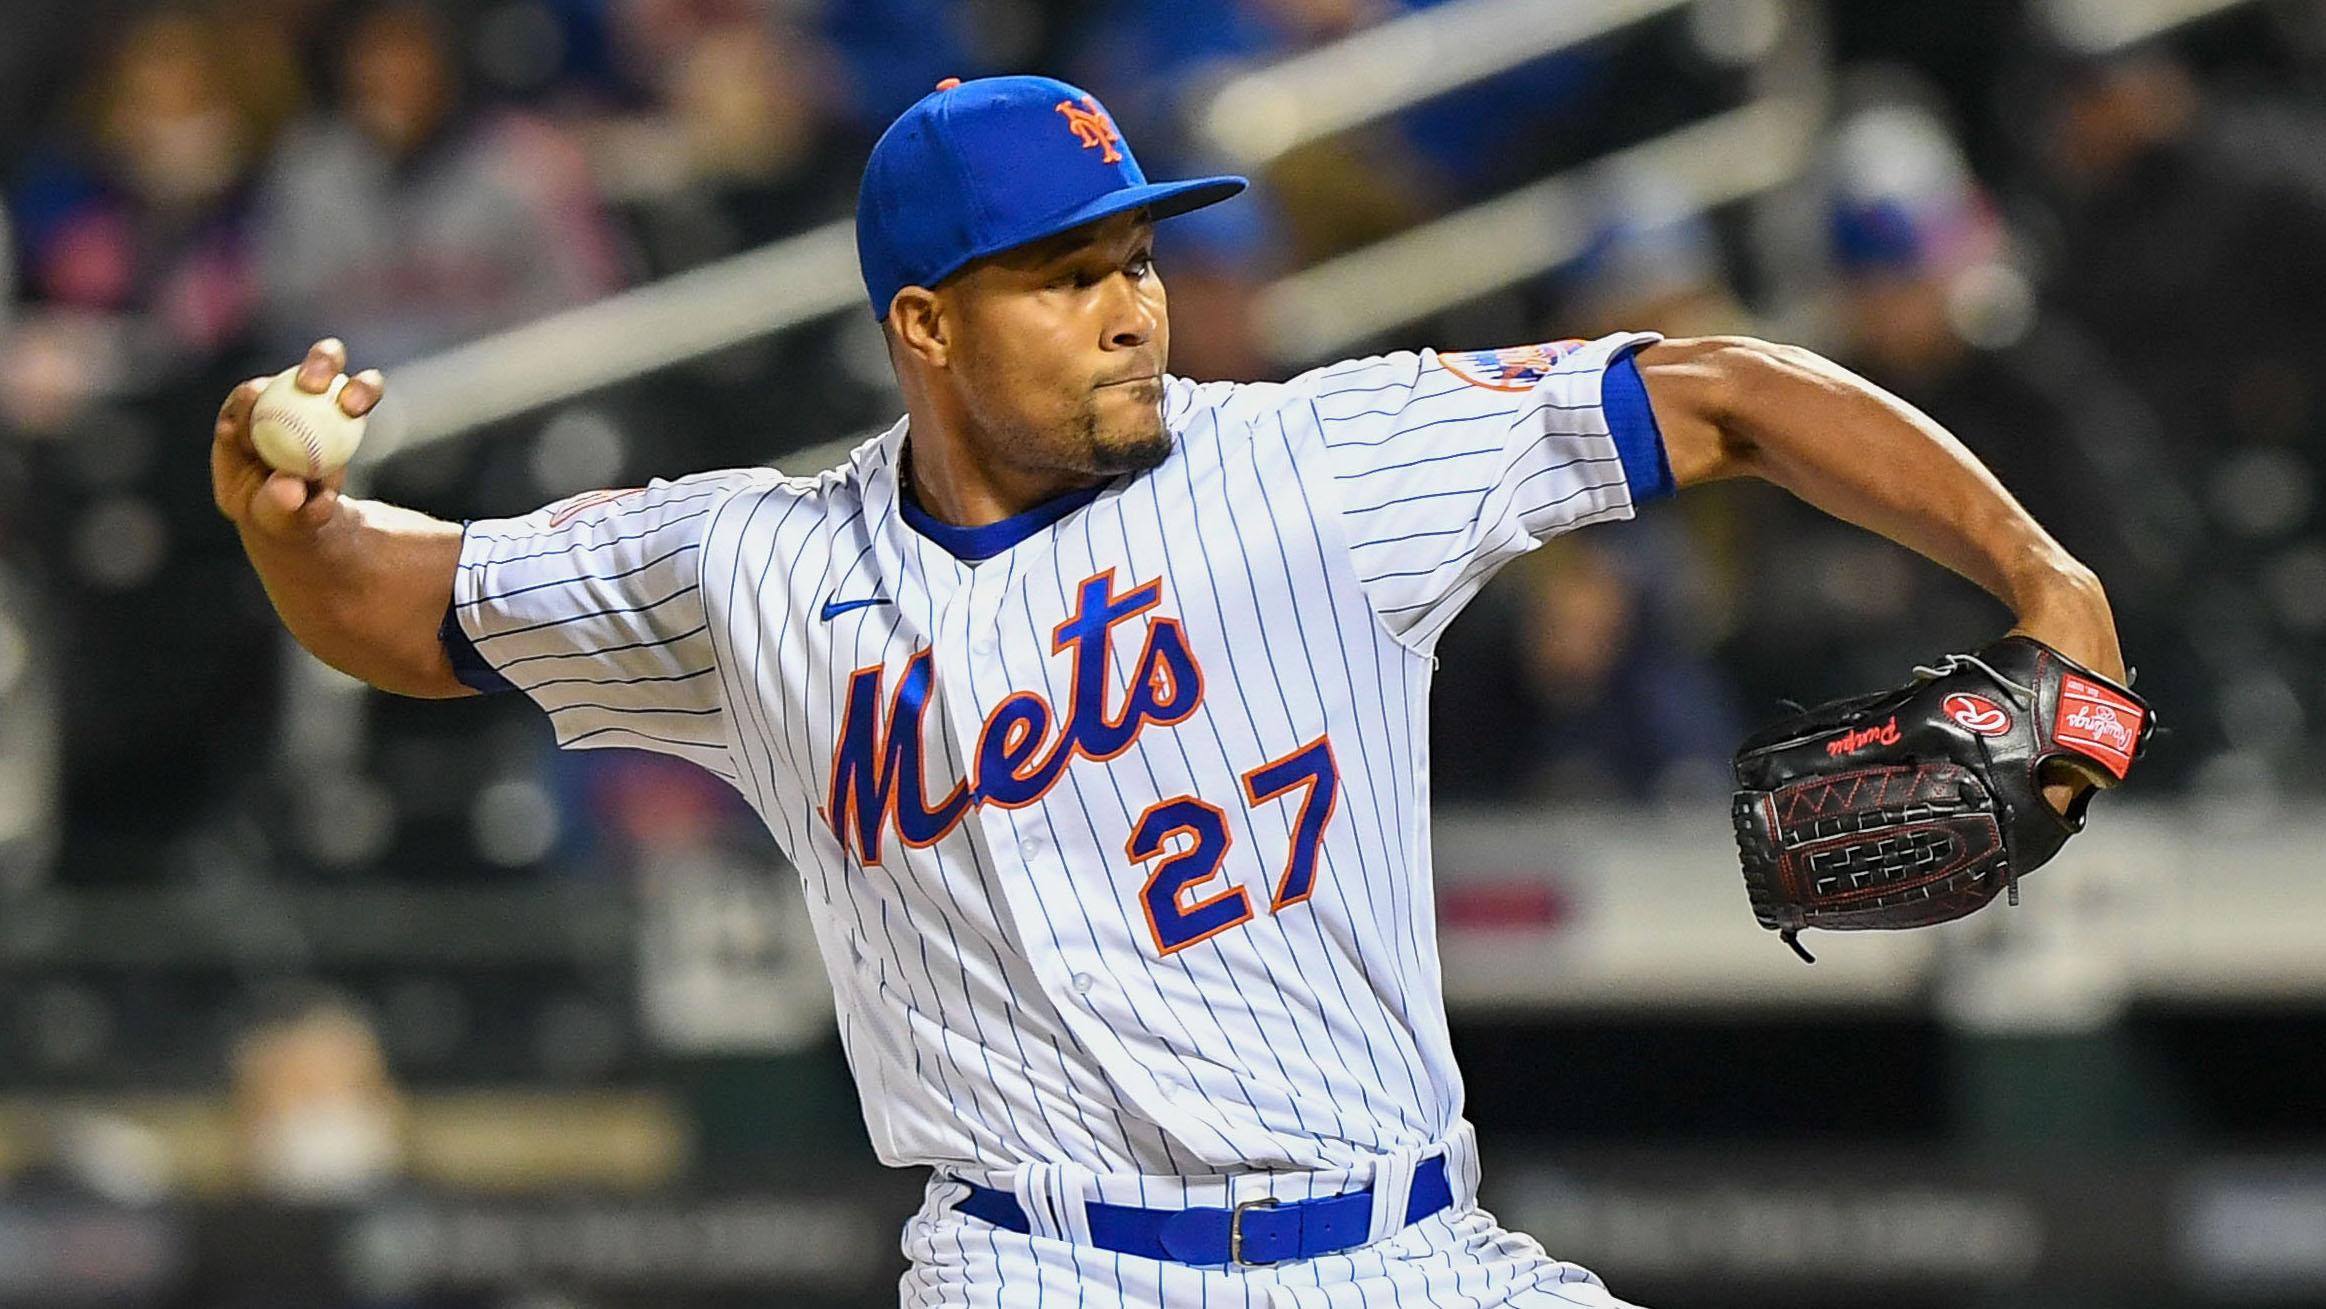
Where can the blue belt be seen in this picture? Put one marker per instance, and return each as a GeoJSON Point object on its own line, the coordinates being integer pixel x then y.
{"type": "Point", "coordinates": [1254, 1232]}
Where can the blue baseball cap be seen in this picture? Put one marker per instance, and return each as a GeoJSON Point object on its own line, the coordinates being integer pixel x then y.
{"type": "Point", "coordinates": [977, 167]}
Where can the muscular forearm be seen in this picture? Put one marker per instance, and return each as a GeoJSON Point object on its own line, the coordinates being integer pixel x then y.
{"type": "Point", "coordinates": [1746, 408]}
{"type": "Point", "coordinates": [365, 594]}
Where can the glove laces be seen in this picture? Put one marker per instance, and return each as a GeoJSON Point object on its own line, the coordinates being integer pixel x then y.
{"type": "Point", "coordinates": [1792, 937]}
{"type": "Point", "coordinates": [1957, 662]}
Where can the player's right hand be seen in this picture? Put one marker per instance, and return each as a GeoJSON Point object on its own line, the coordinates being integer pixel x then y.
{"type": "Point", "coordinates": [255, 497]}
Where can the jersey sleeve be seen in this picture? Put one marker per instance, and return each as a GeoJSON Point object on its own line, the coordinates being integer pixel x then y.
{"type": "Point", "coordinates": [594, 608]}
{"type": "Point", "coordinates": [1449, 465]}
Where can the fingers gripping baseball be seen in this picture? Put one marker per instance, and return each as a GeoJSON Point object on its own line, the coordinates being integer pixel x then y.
{"type": "Point", "coordinates": [260, 498]}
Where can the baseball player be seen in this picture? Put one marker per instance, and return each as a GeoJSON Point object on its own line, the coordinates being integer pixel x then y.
{"type": "Point", "coordinates": [1090, 704]}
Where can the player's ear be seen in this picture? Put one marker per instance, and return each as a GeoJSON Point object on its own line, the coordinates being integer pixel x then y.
{"type": "Point", "coordinates": [917, 318]}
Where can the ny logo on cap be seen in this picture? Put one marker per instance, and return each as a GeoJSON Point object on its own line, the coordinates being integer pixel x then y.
{"type": "Point", "coordinates": [1092, 127]}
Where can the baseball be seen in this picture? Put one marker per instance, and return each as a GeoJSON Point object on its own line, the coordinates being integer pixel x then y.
{"type": "Point", "coordinates": [299, 432]}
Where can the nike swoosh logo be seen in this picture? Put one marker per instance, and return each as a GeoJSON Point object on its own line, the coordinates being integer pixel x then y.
{"type": "Point", "coordinates": [833, 608]}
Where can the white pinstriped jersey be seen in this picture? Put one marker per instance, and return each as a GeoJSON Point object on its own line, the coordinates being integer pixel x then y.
{"type": "Point", "coordinates": [1116, 840]}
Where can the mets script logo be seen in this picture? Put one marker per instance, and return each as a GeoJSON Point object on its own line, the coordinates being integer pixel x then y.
{"type": "Point", "coordinates": [1093, 128]}
{"type": "Point", "coordinates": [1854, 741]}
{"type": "Point", "coordinates": [1977, 713]}
{"type": "Point", "coordinates": [877, 778]}
{"type": "Point", "coordinates": [1517, 368]}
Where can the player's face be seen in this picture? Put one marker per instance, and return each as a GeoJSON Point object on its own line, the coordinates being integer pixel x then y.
{"type": "Point", "coordinates": [1060, 349]}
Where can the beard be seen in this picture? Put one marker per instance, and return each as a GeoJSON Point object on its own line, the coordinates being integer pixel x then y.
{"type": "Point", "coordinates": [1126, 447]}
{"type": "Point", "coordinates": [1136, 454]}
{"type": "Point", "coordinates": [1133, 447]}
{"type": "Point", "coordinates": [1101, 435]}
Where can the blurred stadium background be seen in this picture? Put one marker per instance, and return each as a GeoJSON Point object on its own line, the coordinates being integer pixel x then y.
{"type": "Point", "coordinates": [313, 997]}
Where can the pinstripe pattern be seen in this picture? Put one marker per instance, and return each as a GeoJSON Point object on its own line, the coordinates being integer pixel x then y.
{"type": "Point", "coordinates": [1009, 1001]}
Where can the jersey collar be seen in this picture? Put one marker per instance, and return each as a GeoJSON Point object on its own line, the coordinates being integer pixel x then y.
{"type": "Point", "coordinates": [972, 544]}
{"type": "Point", "coordinates": [888, 539]}
{"type": "Point", "coordinates": [895, 520]}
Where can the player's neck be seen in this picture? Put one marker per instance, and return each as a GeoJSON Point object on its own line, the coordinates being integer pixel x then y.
{"type": "Point", "coordinates": [954, 487]}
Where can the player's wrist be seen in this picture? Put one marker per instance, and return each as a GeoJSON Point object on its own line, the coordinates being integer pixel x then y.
{"type": "Point", "coordinates": [272, 519]}
{"type": "Point", "coordinates": [2048, 581]}
{"type": "Point", "coordinates": [310, 540]}
{"type": "Point", "coordinates": [2071, 614]}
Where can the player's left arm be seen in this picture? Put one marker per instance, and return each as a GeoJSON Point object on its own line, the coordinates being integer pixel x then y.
{"type": "Point", "coordinates": [1737, 407]}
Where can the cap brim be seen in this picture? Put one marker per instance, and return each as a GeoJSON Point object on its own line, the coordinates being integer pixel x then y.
{"type": "Point", "coordinates": [1161, 200]}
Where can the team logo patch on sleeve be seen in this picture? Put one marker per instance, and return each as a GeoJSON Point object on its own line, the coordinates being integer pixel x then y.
{"type": "Point", "coordinates": [563, 512]}
{"type": "Point", "coordinates": [2095, 721]}
{"type": "Point", "coordinates": [1513, 368]}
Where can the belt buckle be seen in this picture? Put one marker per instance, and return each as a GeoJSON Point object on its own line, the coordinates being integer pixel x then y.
{"type": "Point", "coordinates": [1236, 1232]}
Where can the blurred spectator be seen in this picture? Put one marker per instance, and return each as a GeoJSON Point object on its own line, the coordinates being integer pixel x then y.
{"type": "Point", "coordinates": [87, 1154]}
{"type": "Point", "coordinates": [318, 1119]}
{"type": "Point", "coordinates": [746, 147]}
{"type": "Point", "coordinates": [408, 218]}
{"type": "Point", "coordinates": [320, 1129]}
{"type": "Point", "coordinates": [2191, 244]}
{"type": "Point", "coordinates": [134, 229]}
{"type": "Point", "coordinates": [1653, 262]}
{"type": "Point", "coordinates": [1579, 674]}
{"type": "Point", "coordinates": [1933, 308]}
{"type": "Point", "coordinates": [749, 135]}
{"type": "Point", "coordinates": [132, 226]}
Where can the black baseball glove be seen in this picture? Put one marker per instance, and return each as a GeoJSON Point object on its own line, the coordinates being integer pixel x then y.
{"type": "Point", "coordinates": [1915, 806]}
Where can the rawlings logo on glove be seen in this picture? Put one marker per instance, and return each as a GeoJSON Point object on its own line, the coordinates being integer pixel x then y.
{"type": "Point", "coordinates": [1978, 713]}
{"type": "Point", "coordinates": [2099, 722]}
{"type": "Point", "coordinates": [1919, 805]}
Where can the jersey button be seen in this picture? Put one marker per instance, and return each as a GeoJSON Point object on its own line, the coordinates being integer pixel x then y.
{"type": "Point", "coordinates": [981, 645]}
{"type": "Point", "coordinates": [1084, 983]}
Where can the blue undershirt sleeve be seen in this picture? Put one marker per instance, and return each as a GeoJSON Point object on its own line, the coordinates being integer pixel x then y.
{"type": "Point", "coordinates": [1632, 423]}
